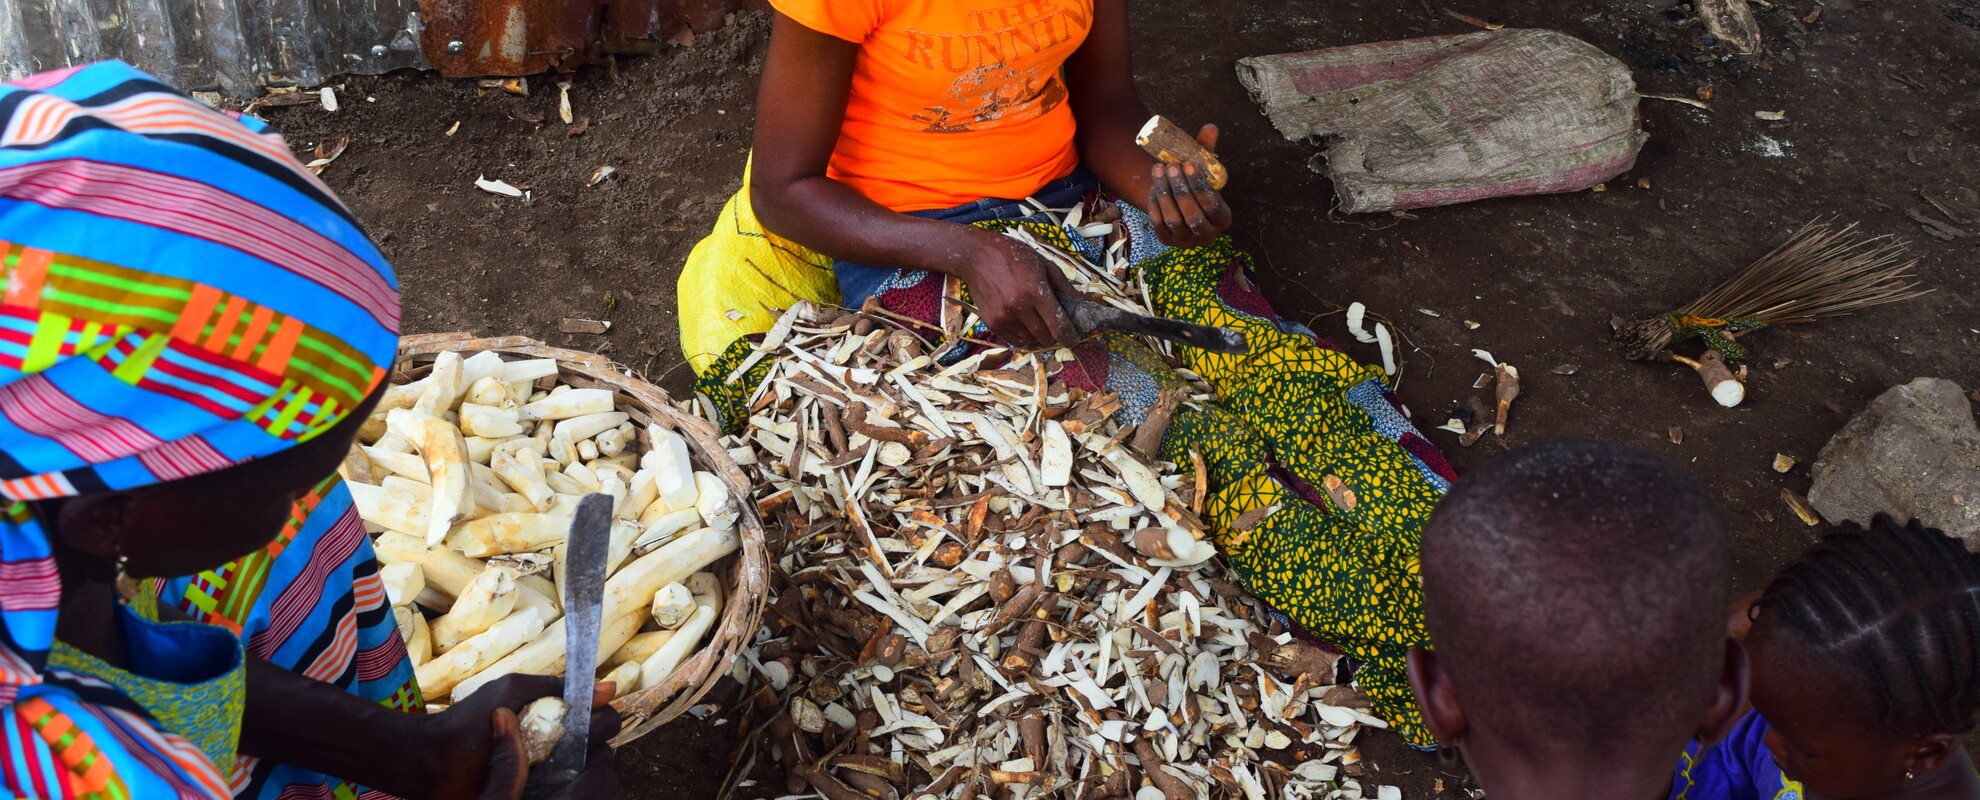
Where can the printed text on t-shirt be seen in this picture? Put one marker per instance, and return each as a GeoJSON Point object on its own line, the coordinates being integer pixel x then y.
{"type": "Point", "coordinates": [1002, 35]}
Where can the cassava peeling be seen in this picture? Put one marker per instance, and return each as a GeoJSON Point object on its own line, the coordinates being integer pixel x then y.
{"type": "Point", "coordinates": [993, 589]}
{"type": "Point", "coordinates": [468, 479]}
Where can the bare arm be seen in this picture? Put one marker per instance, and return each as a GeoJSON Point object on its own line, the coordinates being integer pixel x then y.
{"type": "Point", "coordinates": [291, 719]}
{"type": "Point", "coordinates": [807, 78]}
{"type": "Point", "coordinates": [1100, 81]}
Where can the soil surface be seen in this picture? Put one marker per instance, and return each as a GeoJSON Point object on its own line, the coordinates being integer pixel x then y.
{"type": "Point", "coordinates": [1879, 99]}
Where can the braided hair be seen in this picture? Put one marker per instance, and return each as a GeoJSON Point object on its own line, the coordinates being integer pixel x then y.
{"type": "Point", "coordinates": [1897, 607]}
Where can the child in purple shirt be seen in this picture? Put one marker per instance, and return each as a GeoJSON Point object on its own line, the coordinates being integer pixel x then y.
{"type": "Point", "coordinates": [1865, 660]}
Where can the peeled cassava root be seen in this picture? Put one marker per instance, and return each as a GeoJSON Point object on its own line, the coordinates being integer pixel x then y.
{"type": "Point", "coordinates": [628, 595]}
{"type": "Point", "coordinates": [468, 480]}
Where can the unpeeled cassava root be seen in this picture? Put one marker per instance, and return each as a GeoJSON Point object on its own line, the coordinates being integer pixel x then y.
{"type": "Point", "coordinates": [469, 478]}
{"type": "Point", "coordinates": [542, 725]}
{"type": "Point", "coordinates": [1726, 388]}
{"type": "Point", "coordinates": [1170, 144]}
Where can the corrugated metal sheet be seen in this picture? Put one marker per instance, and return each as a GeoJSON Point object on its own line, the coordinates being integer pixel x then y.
{"type": "Point", "coordinates": [509, 37]}
{"type": "Point", "coordinates": [239, 46]}
{"type": "Point", "coordinates": [232, 46]}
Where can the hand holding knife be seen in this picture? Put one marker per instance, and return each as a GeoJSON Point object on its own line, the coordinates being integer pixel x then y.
{"type": "Point", "coordinates": [1089, 316]}
{"type": "Point", "coordinates": [584, 598]}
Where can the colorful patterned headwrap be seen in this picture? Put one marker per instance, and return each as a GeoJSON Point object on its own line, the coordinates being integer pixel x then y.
{"type": "Point", "coordinates": [182, 295]}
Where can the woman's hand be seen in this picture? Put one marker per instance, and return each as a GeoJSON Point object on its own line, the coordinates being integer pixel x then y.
{"type": "Point", "coordinates": [464, 747]}
{"type": "Point", "coordinates": [1185, 211]}
{"type": "Point", "coordinates": [1100, 86]}
{"type": "Point", "coordinates": [1015, 291]}
{"type": "Point", "coordinates": [508, 772]}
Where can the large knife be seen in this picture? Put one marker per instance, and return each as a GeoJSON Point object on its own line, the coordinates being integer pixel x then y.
{"type": "Point", "coordinates": [1089, 316]}
{"type": "Point", "coordinates": [584, 600]}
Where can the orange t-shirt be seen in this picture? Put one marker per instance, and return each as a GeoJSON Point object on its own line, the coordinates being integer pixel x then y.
{"type": "Point", "coordinates": [952, 100]}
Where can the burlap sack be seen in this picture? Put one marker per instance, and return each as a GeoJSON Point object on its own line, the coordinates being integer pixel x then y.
{"type": "Point", "coordinates": [1447, 119]}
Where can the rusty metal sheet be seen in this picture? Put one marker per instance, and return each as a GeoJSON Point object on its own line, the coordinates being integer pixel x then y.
{"type": "Point", "coordinates": [508, 37]}
{"type": "Point", "coordinates": [638, 25]}
{"type": "Point", "coordinates": [521, 37]}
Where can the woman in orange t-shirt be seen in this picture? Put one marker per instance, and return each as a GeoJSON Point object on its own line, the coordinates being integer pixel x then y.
{"type": "Point", "coordinates": [882, 123]}
{"type": "Point", "coordinates": [886, 128]}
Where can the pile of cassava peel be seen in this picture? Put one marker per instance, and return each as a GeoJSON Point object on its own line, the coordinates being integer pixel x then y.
{"type": "Point", "coordinates": [992, 588]}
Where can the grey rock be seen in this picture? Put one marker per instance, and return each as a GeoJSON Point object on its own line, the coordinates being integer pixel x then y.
{"type": "Point", "coordinates": [1913, 452]}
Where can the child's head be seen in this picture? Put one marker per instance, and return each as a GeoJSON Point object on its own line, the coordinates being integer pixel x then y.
{"type": "Point", "coordinates": [1576, 595]}
{"type": "Point", "coordinates": [1864, 658]}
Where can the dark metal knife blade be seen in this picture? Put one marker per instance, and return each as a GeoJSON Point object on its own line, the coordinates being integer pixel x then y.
{"type": "Point", "coordinates": [584, 599]}
{"type": "Point", "coordinates": [1089, 316]}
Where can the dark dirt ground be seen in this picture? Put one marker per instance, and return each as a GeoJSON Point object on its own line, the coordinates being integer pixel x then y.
{"type": "Point", "coordinates": [1881, 101]}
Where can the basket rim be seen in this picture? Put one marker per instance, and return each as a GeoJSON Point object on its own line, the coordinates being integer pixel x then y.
{"type": "Point", "coordinates": [748, 590]}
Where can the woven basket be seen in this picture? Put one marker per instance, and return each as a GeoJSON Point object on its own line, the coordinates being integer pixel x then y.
{"type": "Point", "coordinates": [745, 572]}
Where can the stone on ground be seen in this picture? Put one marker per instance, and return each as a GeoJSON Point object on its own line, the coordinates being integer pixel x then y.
{"type": "Point", "coordinates": [1913, 452]}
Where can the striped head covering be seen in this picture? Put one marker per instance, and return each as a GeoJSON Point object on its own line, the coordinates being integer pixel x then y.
{"type": "Point", "coordinates": [182, 295]}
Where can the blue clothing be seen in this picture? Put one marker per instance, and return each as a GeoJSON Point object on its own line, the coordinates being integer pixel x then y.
{"type": "Point", "coordinates": [859, 281]}
{"type": "Point", "coordinates": [181, 296]}
{"type": "Point", "coordinates": [1739, 768]}
{"type": "Point", "coordinates": [89, 729]}
{"type": "Point", "coordinates": [311, 602]}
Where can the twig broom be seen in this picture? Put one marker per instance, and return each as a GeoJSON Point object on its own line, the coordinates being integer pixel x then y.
{"type": "Point", "coordinates": [1821, 271]}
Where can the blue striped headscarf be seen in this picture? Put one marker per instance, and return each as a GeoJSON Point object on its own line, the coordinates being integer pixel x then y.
{"type": "Point", "coordinates": [182, 296]}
